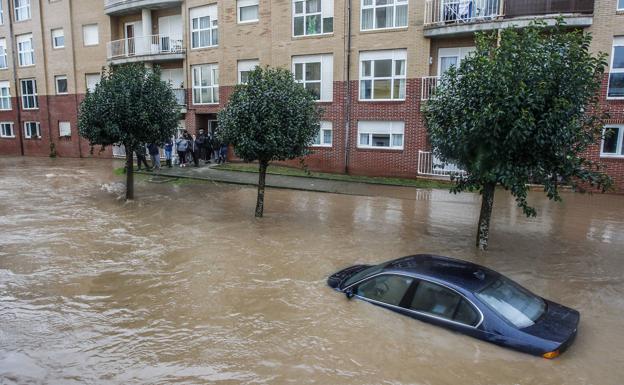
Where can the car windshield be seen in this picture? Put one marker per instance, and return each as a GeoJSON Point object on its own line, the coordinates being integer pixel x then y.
{"type": "Point", "coordinates": [514, 303]}
{"type": "Point", "coordinates": [364, 273]}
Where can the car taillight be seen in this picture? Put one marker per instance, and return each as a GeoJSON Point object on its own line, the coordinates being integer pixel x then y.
{"type": "Point", "coordinates": [553, 354]}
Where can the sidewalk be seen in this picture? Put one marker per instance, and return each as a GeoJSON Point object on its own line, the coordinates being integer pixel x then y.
{"type": "Point", "coordinates": [207, 172]}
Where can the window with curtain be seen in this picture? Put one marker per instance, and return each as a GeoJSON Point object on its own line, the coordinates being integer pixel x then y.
{"type": "Point", "coordinates": [204, 27]}
{"type": "Point", "coordinates": [382, 75]}
{"type": "Point", "coordinates": [323, 137]}
{"type": "Point", "coordinates": [312, 17]}
{"type": "Point", "coordinates": [206, 84]}
{"type": "Point", "coordinates": [22, 9]}
{"type": "Point", "coordinates": [29, 94]}
{"type": "Point", "coordinates": [25, 51]}
{"type": "Point", "coordinates": [616, 75]}
{"type": "Point", "coordinates": [381, 134]}
{"type": "Point", "coordinates": [382, 14]}
{"type": "Point", "coordinates": [315, 72]}
{"type": "Point", "coordinates": [247, 10]}
{"type": "Point", "coordinates": [5, 96]}
{"type": "Point", "coordinates": [3, 55]}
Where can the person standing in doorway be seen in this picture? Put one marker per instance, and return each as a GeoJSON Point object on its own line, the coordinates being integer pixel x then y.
{"type": "Point", "coordinates": [154, 152]}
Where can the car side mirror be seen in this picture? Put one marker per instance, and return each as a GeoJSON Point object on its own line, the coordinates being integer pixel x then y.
{"type": "Point", "coordinates": [349, 293]}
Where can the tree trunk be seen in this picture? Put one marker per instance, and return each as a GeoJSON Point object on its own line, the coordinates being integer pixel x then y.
{"type": "Point", "coordinates": [487, 201]}
{"type": "Point", "coordinates": [129, 174]}
{"type": "Point", "coordinates": [261, 182]}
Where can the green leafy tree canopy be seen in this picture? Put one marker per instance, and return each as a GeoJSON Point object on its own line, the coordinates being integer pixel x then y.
{"type": "Point", "coordinates": [272, 117]}
{"type": "Point", "coordinates": [522, 108]}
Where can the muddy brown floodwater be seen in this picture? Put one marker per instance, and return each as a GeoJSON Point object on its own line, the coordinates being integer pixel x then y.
{"type": "Point", "coordinates": [183, 285]}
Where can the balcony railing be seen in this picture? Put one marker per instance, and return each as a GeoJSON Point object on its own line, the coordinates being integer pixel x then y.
{"type": "Point", "coordinates": [144, 45]}
{"type": "Point", "coordinates": [515, 8]}
{"type": "Point", "coordinates": [430, 165]}
{"type": "Point", "coordinates": [460, 11]}
{"type": "Point", "coordinates": [428, 86]}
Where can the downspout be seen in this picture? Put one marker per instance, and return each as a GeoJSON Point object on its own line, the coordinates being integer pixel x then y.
{"type": "Point", "coordinates": [15, 81]}
{"type": "Point", "coordinates": [71, 32]}
{"type": "Point", "coordinates": [45, 76]}
{"type": "Point", "coordinates": [348, 91]}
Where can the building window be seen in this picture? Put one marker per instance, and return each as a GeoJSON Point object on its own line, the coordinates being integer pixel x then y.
{"type": "Point", "coordinates": [620, 6]}
{"type": "Point", "coordinates": [204, 27]}
{"type": "Point", "coordinates": [22, 9]}
{"type": "Point", "coordinates": [449, 57]}
{"type": "Point", "coordinates": [3, 56]}
{"type": "Point", "coordinates": [5, 96]}
{"type": "Point", "coordinates": [1, 14]}
{"type": "Point", "coordinates": [313, 17]}
{"type": "Point", "coordinates": [206, 84]}
{"type": "Point", "coordinates": [61, 84]}
{"type": "Point", "coordinates": [92, 80]}
{"type": "Point", "coordinates": [90, 34]}
{"type": "Point", "coordinates": [382, 14]}
{"type": "Point", "coordinates": [324, 136]}
{"type": "Point", "coordinates": [613, 141]}
{"type": "Point", "coordinates": [25, 51]}
{"type": "Point", "coordinates": [616, 76]}
{"type": "Point", "coordinates": [58, 38]}
{"type": "Point", "coordinates": [29, 94]}
{"type": "Point", "coordinates": [64, 129]}
{"type": "Point", "coordinates": [6, 130]}
{"type": "Point", "coordinates": [382, 75]}
{"type": "Point", "coordinates": [381, 134]}
{"type": "Point", "coordinates": [244, 68]}
{"type": "Point", "coordinates": [247, 10]}
{"type": "Point", "coordinates": [315, 72]}
{"type": "Point", "coordinates": [32, 130]}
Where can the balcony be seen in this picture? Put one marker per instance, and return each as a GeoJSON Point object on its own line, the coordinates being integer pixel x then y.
{"type": "Point", "coordinates": [145, 48]}
{"type": "Point", "coordinates": [120, 7]}
{"type": "Point", "coordinates": [464, 17]}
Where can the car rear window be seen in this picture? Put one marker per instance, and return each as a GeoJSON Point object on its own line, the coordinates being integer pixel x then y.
{"type": "Point", "coordinates": [512, 302]}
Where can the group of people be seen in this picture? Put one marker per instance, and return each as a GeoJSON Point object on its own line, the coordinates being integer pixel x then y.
{"type": "Point", "coordinates": [190, 148]}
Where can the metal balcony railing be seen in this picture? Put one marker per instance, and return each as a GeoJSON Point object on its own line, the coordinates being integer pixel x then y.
{"type": "Point", "coordinates": [460, 11]}
{"type": "Point", "coordinates": [516, 8]}
{"type": "Point", "coordinates": [428, 86]}
{"type": "Point", "coordinates": [144, 45]}
{"type": "Point", "coordinates": [430, 165]}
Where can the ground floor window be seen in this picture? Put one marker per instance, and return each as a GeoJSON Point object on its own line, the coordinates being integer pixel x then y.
{"type": "Point", "coordinates": [5, 96]}
{"type": "Point", "coordinates": [32, 130]}
{"type": "Point", "coordinates": [6, 130]}
{"type": "Point", "coordinates": [324, 136]}
{"type": "Point", "coordinates": [613, 141]}
{"type": "Point", "coordinates": [64, 129]}
{"type": "Point", "coordinates": [381, 134]}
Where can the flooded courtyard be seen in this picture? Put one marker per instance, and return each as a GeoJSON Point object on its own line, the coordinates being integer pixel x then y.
{"type": "Point", "coordinates": [184, 285]}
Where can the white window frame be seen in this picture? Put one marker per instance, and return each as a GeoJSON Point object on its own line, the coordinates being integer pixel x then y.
{"type": "Point", "coordinates": [22, 10]}
{"type": "Point", "coordinates": [373, 6]}
{"type": "Point", "coordinates": [2, 130]}
{"type": "Point", "coordinates": [246, 66]}
{"type": "Point", "coordinates": [56, 84]}
{"type": "Point", "coordinates": [1, 13]}
{"type": "Point", "coordinates": [55, 34]}
{"type": "Point", "coordinates": [619, 145]}
{"type": "Point", "coordinates": [459, 53]}
{"type": "Point", "coordinates": [327, 73]}
{"type": "Point", "coordinates": [371, 127]}
{"type": "Point", "coordinates": [326, 12]}
{"type": "Point", "coordinates": [212, 87]}
{"type": "Point", "coordinates": [64, 129]}
{"type": "Point", "coordinates": [33, 96]}
{"type": "Point", "coordinates": [5, 99]}
{"type": "Point", "coordinates": [4, 64]}
{"type": "Point", "coordinates": [91, 76]}
{"type": "Point", "coordinates": [324, 127]}
{"type": "Point", "coordinates": [86, 28]}
{"type": "Point", "coordinates": [28, 132]}
{"type": "Point", "coordinates": [25, 50]}
{"type": "Point", "coordinates": [210, 12]}
{"type": "Point", "coordinates": [618, 41]}
{"type": "Point", "coordinates": [395, 56]}
{"type": "Point", "coordinates": [244, 4]}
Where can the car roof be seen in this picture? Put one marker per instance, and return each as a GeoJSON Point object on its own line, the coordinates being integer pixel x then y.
{"type": "Point", "coordinates": [456, 272]}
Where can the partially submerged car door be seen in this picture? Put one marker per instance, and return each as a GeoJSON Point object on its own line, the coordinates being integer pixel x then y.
{"type": "Point", "coordinates": [387, 290]}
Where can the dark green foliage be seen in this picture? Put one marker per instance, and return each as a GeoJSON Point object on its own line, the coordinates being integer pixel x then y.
{"type": "Point", "coordinates": [522, 109]}
{"type": "Point", "coordinates": [272, 117]}
{"type": "Point", "coordinates": [130, 105]}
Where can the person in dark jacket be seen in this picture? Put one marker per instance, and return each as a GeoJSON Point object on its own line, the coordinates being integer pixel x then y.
{"type": "Point", "coordinates": [168, 152]}
{"type": "Point", "coordinates": [154, 152]}
{"type": "Point", "coordinates": [195, 150]}
{"type": "Point", "coordinates": [223, 153]}
{"type": "Point", "coordinates": [182, 146]}
{"type": "Point", "coordinates": [216, 147]}
{"type": "Point", "coordinates": [201, 141]}
{"type": "Point", "coordinates": [140, 155]}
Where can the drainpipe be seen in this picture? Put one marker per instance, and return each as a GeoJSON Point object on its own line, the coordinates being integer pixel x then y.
{"type": "Point", "coordinates": [45, 75]}
{"type": "Point", "coordinates": [15, 80]}
{"type": "Point", "coordinates": [348, 91]}
{"type": "Point", "coordinates": [73, 50]}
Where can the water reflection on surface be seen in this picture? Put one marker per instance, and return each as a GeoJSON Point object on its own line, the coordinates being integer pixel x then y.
{"type": "Point", "coordinates": [185, 286]}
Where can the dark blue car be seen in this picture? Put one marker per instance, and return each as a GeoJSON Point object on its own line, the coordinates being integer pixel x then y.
{"type": "Point", "coordinates": [464, 297]}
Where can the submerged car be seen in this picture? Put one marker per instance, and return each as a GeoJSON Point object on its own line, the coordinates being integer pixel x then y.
{"type": "Point", "coordinates": [464, 297]}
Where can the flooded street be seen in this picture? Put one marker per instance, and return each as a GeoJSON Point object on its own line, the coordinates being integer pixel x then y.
{"type": "Point", "coordinates": [185, 286]}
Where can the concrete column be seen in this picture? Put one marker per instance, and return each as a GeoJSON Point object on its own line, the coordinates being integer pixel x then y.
{"type": "Point", "coordinates": [146, 20]}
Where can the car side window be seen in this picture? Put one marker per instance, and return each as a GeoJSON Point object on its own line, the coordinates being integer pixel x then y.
{"type": "Point", "coordinates": [385, 288]}
{"type": "Point", "coordinates": [442, 302]}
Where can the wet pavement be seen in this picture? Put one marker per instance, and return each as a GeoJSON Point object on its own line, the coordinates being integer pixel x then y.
{"type": "Point", "coordinates": [184, 285]}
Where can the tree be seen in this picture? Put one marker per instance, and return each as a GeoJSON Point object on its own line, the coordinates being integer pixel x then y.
{"type": "Point", "coordinates": [272, 117]}
{"type": "Point", "coordinates": [131, 105]}
{"type": "Point", "coordinates": [522, 108]}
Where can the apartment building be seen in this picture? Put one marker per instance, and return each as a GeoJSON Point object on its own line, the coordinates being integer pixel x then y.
{"type": "Point", "coordinates": [370, 63]}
